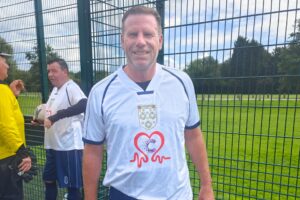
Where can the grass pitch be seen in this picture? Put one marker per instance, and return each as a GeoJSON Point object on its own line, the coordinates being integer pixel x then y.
{"type": "Point", "coordinates": [253, 144]}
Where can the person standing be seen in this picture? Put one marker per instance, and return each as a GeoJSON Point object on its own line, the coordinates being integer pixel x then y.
{"type": "Point", "coordinates": [14, 157]}
{"type": "Point", "coordinates": [146, 114]}
{"type": "Point", "coordinates": [63, 133]}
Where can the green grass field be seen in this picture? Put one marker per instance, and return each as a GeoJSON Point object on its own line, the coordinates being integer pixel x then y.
{"type": "Point", "coordinates": [252, 141]}
{"type": "Point", "coordinates": [29, 101]}
{"type": "Point", "coordinates": [253, 145]}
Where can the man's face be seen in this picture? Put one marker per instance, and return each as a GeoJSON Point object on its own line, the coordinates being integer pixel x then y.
{"type": "Point", "coordinates": [3, 68]}
{"type": "Point", "coordinates": [141, 41]}
{"type": "Point", "coordinates": [57, 75]}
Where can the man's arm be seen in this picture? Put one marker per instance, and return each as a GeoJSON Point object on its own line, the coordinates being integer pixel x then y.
{"type": "Point", "coordinates": [17, 86]}
{"type": "Point", "coordinates": [76, 109]}
{"type": "Point", "coordinates": [9, 131]}
{"type": "Point", "coordinates": [92, 166]}
{"type": "Point", "coordinates": [197, 150]}
{"type": "Point", "coordinates": [68, 112]}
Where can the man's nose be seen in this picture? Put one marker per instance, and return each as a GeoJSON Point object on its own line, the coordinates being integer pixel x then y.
{"type": "Point", "coordinates": [141, 39]}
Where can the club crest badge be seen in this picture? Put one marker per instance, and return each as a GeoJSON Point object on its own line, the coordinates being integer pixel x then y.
{"type": "Point", "coordinates": [147, 116]}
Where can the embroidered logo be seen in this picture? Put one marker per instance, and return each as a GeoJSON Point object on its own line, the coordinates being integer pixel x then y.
{"type": "Point", "coordinates": [147, 116]}
{"type": "Point", "coordinates": [148, 146]}
{"type": "Point", "coordinates": [66, 179]}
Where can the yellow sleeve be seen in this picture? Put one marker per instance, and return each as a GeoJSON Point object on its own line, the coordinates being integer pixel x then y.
{"type": "Point", "coordinates": [11, 130]}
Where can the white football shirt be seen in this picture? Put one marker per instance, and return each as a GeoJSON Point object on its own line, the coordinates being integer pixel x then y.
{"type": "Point", "coordinates": [65, 134]}
{"type": "Point", "coordinates": [144, 132]}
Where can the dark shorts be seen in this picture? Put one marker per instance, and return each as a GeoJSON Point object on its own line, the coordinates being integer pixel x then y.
{"type": "Point", "coordinates": [115, 194]}
{"type": "Point", "coordinates": [65, 167]}
{"type": "Point", "coordinates": [11, 186]}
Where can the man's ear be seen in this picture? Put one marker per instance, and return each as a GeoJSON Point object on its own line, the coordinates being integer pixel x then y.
{"type": "Point", "coordinates": [160, 41]}
{"type": "Point", "coordinates": [66, 71]}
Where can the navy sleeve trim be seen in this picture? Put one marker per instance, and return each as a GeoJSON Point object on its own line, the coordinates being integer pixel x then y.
{"type": "Point", "coordinates": [86, 141]}
{"type": "Point", "coordinates": [179, 80]}
{"type": "Point", "coordinates": [193, 126]}
{"type": "Point", "coordinates": [106, 91]}
{"type": "Point", "coordinates": [185, 90]}
{"type": "Point", "coordinates": [68, 96]}
{"type": "Point", "coordinates": [70, 111]}
{"type": "Point", "coordinates": [145, 92]}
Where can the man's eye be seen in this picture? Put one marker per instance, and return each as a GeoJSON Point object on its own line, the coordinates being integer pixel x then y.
{"type": "Point", "coordinates": [148, 35]}
{"type": "Point", "coordinates": [132, 35]}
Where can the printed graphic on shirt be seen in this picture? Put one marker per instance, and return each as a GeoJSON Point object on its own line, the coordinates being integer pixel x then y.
{"type": "Point", "coordinates": [147, 116]}
{"type": "Point", "coordinates": [148, 147]}
{"type": "Point", "coordinates": [66, 179]}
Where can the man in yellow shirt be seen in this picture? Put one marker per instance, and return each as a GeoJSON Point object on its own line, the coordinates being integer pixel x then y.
{"type": "Point", "coordinates": [12, 137]}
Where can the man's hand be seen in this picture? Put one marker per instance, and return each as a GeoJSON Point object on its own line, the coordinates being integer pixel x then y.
{"type": "Point", "coordinates": [37, 123]}
{"type": "Point", "coordinates": [206, 193]}
{"type": "Point", "coordinates": [28, 175]}
{"type": "Point", "coordinates": [17, 86]}
{"type": "Point", "coordinates": [47, 123]}
{"type": "Point", "coordinates": [25, 165]}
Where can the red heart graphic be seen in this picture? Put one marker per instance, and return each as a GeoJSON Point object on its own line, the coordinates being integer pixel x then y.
{"type": "Point", "coordinates": [144, 142]}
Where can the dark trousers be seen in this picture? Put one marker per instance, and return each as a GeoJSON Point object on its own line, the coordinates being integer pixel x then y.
{"type": "Point", "coordinates": [11, 186]}
{"type": "Point", "coordinates": [115, 194]}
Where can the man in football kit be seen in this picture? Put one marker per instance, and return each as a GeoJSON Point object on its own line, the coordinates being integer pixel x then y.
{"type": "Point", "coordinates": [146, 114]}
{"type": "Point", "coordinates": [63, 133]}
{"type": "Point", "coordinates": [14, 157]}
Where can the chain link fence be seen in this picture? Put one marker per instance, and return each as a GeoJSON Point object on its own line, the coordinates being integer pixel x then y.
{"type": "Point", "coordinates": [242, 55]}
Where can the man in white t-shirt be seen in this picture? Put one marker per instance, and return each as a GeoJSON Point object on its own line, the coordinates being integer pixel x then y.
{"type": "Point", "coordinates": [63, 133]}
{"type": "Point", "coordinates": [145, 114]}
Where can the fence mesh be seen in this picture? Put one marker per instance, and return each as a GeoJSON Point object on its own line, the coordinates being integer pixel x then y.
{"type": "Point", "coordinates": [242, 55]}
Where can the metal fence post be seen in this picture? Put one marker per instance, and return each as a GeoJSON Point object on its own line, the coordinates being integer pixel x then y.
{"type": "Point", "coordinates": [160, 7]}
{"type": "Point", "coordinates": [85, 42]}
{"type": "Point", "coordinates": [41, 48]}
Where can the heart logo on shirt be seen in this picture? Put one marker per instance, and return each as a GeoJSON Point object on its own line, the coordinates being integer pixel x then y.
{"type": "Point", "coordinates": [148, 145]}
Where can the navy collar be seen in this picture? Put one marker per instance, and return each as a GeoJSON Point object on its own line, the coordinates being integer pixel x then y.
{"type": "Point", "coordinates": [143, 85]}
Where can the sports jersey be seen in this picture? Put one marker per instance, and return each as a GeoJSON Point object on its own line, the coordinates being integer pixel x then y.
{"type": "Point", "coordinates": [65, 134]}
{"type": "Point", "coordinates": [144, 132]}
{"type": "Point", "coordinates": [12, 134]}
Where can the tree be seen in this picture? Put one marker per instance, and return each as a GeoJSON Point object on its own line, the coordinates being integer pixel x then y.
{"type": "Point", "coordinates": [248, 63]}
{"type": "Point", "coordinates": [289, 64]}
{"type": "Point", "coordinates": [202, 71]}
{"type": "Point", "coordinates": [14, 72]}
{"type": "Point", "coordinates": [296, 36]}
{"type": "Point", "coordinates": [249, 58]}
{"type": "Point", "coordinates": [227, 84]}
{"type": "Point", "coordinates": [34, 71]}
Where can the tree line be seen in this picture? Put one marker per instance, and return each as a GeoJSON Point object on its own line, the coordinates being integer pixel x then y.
{"type": "Point", "coordinates": [250, 68]}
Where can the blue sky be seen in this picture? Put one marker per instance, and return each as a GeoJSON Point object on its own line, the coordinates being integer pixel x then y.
{"type": "Point", "coordinates": [226, 20]}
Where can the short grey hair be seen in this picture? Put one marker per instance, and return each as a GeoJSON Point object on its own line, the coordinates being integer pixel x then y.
{"type": "Point", "coordinates": [142, 10]}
